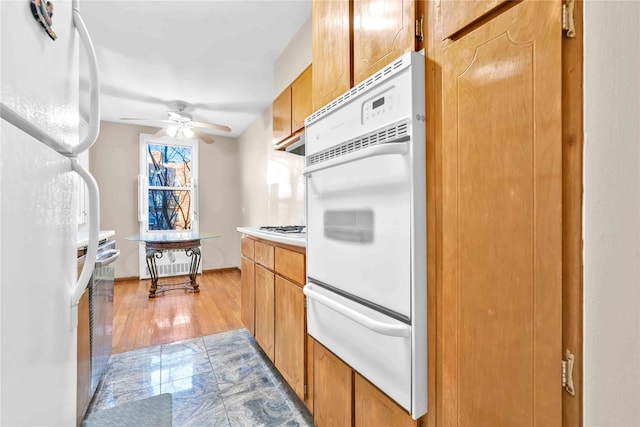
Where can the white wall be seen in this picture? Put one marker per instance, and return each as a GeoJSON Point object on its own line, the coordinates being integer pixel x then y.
{"type": "Point", "coordinates": [115, 165]}
{"type": "Point", "coordinates": [272, 182]}
{"type": "Point", "coordinates": [612, 213]}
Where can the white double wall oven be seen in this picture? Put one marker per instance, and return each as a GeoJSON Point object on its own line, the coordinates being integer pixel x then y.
{"type": "Point", "coordinates": [366, 230]}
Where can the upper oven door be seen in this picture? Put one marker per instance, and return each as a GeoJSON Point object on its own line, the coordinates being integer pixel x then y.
{"type": "Point", "coordinates": [358, 228]}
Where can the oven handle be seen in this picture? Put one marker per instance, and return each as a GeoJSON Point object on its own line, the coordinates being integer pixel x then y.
{"type": "Point", "coordinates": [383, 328]}
{"type": "Point", "coordinates": [372, 151]}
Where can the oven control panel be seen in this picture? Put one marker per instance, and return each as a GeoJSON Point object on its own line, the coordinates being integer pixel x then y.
{"type": "Point", "coordinates": [379, 106]}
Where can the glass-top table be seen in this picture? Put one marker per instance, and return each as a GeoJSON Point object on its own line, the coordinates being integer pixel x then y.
{"type": "Point", "coordinates": [157, 243]}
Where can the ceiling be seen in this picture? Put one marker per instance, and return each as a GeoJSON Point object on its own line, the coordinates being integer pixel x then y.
{"type": "Point", "coordinates": [217, 56]}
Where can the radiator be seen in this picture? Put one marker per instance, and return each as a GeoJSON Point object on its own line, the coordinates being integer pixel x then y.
{"type": "Point", "coordinates": [174, 262]}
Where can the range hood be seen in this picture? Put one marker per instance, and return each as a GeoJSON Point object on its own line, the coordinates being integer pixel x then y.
{"type": "Point", "coordinates": [297, 147]}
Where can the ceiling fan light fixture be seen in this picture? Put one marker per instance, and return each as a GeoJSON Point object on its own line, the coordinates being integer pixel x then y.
{"type": "Point", "coordinates": [187, 132]}
{"type": "Point", "coordinates": [172, 131]}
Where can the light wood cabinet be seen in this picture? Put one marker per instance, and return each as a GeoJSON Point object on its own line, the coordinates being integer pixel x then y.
{"type": "Point", "coordinates": [374, 408]}
{"type": "Point", "coordinates": [282, 116]}
{"type": "Point", "coordinates": [290, 264]}
{"type": "Point", "coordinates": [264, 254]}
{"type": "Point", "coordinates": [84, 359]}
{"type": "Point", "coordinates": [333, 389]}
{"type": "Point", "coordinates": [458, 14]}
{"type": "Point", "coordinates": [265, 310]}
{"type": "Point", "coordinates": [301, 106]}
{"type": "Point", "coordinates": [331, 50]}
{"type": "Point", "coordinates": [500, 316]}
{"type": "Point", "coordinates": [290, 334]}
{"type": "Point", "coordinates": [382, 31]}
{"type": "Point", "coordinates": [247, 247]}
{"type": "Point", "coordinates": [376, 31]}
{"type": "Point", "coordinates": [290, 109]}
{"type": "Point", "coordinates": [248, 293]}
{"type": "Point", "coordinates": [276, 278]}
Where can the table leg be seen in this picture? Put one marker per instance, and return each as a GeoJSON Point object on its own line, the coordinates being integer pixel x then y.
{"type": "Point", "coordinates": [194, 254]}
{"type": "Point", "coordinates": [152, 254]}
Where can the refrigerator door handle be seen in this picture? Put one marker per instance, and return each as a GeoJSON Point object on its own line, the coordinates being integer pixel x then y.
{"type": "Point", "coordinates": [94, 226]}
{"type": "Point", "coordinates": [94, 78]}
{"type": "Point", "coordinates": [377, 326]}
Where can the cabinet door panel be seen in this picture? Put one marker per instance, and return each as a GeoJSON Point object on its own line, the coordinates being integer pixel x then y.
{"type": "Point", "coordinates": [382, 31]}
{"type": "Point", "coordinates": [265, 310]}
{"type": "Point", "coordinates": [291, 265]}
{"type": "Point", "coordinates": [247, 293]}
{"type": "Point", "coordinates": [374, 408]}
{"type": "Point", "coordinates": [247, 248]}
{"type": "Point", "coordinates": [84, 359]}
{"type": "Point", "coordinates": [331, 41]}
{"type": "Point", "coordinates": [264, 254]}
{"type": "Point", "coordinates": [290, 334]}
{"type": "Point", "coordinates": [333, 389]}
{"type": "Point", "coordinates": [457, 14]}
{"type": "Point", "coordinates": [502, 262]}
{"type": "Point", "coordinates": [282, 116]}
{"type": "Point", "coordinates": [301, 105]}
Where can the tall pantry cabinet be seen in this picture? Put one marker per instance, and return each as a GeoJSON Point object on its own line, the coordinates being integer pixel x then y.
{"type": "Point", "coordinates": [500, 312]}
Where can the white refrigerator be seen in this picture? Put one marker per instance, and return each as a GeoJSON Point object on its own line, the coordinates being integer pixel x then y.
{"type": "Point", "coordinates": [41, 135]}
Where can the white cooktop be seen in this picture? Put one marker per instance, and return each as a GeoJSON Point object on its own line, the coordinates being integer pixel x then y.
{"type": "Point", "coordinates": [294, 239]}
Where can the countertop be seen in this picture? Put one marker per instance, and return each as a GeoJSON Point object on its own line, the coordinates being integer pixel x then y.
{"type": "Point", "coordinates": [275, 237]}
{"type": "Point", "coordinates": [83, 237]}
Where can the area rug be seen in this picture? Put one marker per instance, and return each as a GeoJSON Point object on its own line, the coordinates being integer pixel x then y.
{"type": "Point", "coordinates": [150, 412]}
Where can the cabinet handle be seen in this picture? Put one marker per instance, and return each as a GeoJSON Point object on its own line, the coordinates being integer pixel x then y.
{"type": "Point", "coordinates": [419, 30]}
{"type": "Point", "coordinates": [377, 326]}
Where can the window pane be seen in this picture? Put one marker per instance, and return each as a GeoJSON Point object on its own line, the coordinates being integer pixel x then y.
{"type": "Point", "coordinates": [169, 210]}
{"type": "Point", "coordinates": [169, 165]}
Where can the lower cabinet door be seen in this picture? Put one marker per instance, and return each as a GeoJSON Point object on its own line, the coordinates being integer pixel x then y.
{"type": "Point", "coordinates": [374, 408]}
{"type": "Point", "coordinates": [84, 359]}
{"type": "Point", "coordinates": [290, 334]}
{"type": "Point", "coordinates": [248, 293]}
{"type": "Point", "coordinates": [333, 389]}
{"type": "Point", "coordinates": [265, 310]}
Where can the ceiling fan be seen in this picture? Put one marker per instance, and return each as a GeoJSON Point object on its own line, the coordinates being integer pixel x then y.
{"type": "Point", "coordinates": [180, 125]}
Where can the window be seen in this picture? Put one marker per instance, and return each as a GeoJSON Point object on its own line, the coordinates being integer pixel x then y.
{"type": "Point", "coordinates": [167, 197]}
{"type": "Point", "coordinates": [168, 172]}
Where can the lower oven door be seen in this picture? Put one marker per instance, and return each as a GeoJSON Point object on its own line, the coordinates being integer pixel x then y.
{"type": "Point", "coordinates": [375, 345]}
{"type": "Point", "coordinates": [359, 229]}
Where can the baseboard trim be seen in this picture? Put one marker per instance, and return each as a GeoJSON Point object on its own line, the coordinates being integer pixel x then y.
{"type": "Point", "coordinates": [222, 270]}
{"type": "Point", "coordinates": [124, 279]}
{"type": "Point", "coordinates": [213, 270]}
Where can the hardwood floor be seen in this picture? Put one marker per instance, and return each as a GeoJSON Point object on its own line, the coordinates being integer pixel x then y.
{"type": "Point", "coordinates": [140, 321]}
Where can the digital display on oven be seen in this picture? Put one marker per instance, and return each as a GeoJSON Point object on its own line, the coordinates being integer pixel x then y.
{"type": "Point", "coordinates": [378, 102]}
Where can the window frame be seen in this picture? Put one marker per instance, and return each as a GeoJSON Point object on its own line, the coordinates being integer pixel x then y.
{"type": "Point", "coordinates": [143, 181]}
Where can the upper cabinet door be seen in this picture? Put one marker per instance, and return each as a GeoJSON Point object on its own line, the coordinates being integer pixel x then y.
{"type": "Point", "coordinates": [382, 31]}
{"type": "Point", "coordinates": [457, 14]}
{"type": "Point", "coordinates": [501, 282]}
{"type": "Point", "coordinates": [301, 106]}
{"type": "Point", "coordinates": [331, 29]}
{"type": "Point", "coordinates": [282, 116]}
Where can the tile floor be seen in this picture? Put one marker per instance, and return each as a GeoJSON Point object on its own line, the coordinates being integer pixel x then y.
{"type": "Point", "coordinates": [217, 380]}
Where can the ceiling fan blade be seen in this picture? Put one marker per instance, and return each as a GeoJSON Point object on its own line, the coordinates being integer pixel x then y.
{"type": "Point", "coordinates": [147, 120]}
{"type": "Point", "coordinates": [211, 126]}
{"type": "Point", "coordinates": [203, 136]}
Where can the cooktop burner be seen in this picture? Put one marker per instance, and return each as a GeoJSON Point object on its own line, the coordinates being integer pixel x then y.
{"type": "Point", "coordinates": [285, 229]}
